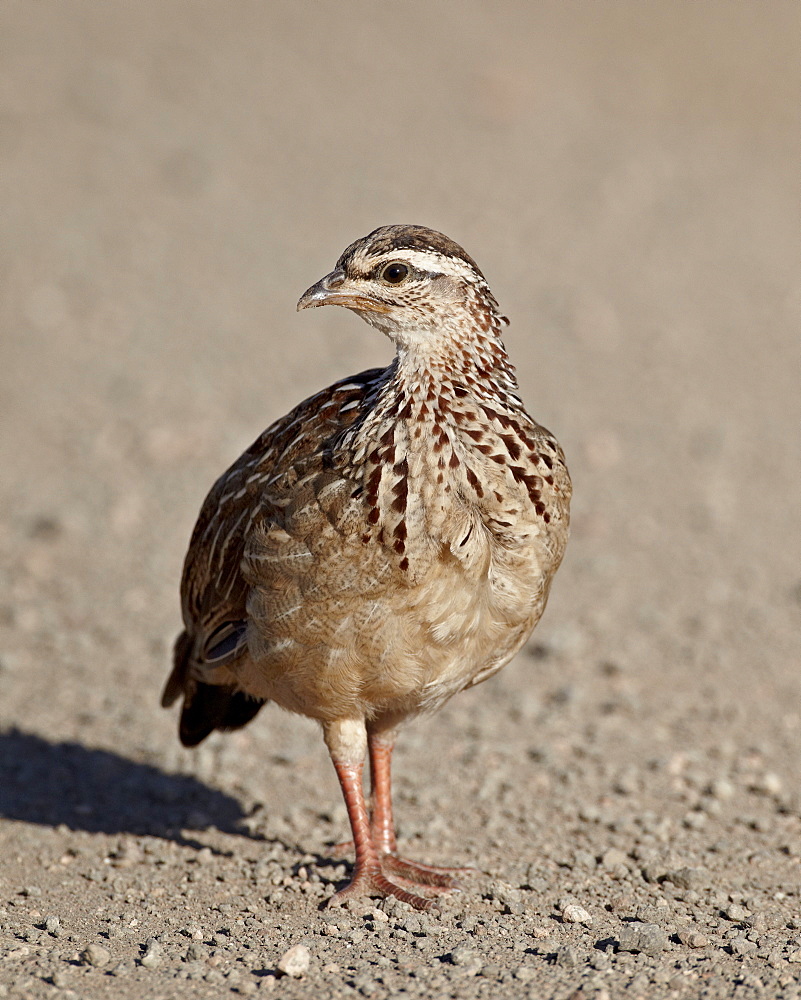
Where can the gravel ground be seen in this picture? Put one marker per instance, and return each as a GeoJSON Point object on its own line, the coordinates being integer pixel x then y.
{"type": "Point", "coordinates": [173, 176]}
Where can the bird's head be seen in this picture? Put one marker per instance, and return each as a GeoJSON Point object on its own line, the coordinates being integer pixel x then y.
{"type": "Point", "coordinates": [412, 283]}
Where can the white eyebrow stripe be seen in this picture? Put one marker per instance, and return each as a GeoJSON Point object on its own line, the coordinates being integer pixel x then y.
{"type": "Point", "coordinates": [430, 260]}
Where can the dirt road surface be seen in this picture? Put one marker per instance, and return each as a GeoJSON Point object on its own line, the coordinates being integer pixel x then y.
{"type": "Point", "coordinates": [172, 177]}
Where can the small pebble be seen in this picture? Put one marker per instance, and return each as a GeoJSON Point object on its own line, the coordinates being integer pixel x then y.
{"type": "Point", "coordinates": [649, 939]}
{"type": "Point", "coordinates": [693, 939]}
{"type": "Point", "coordinates": [655, 871]}
{"type": "Point", "coordinates": [466, 959]}
{"type": "Point", "coordinates": [742, 946]}
{"type": "Point", "coordinates": [504, 893]}
{"type": "Point", "coordinates": [735, 912]}
{"type": "Point", "coordinates": [687, 878]}
{"type": "Point", "coordinates": [769, 784]}
{"type": "Point", "coordinates": [196, 952]}
{"type": "Point", "coordinates": [153, 954]}
{"type": "Point", "coordinates": [462, 954]}
{"type": "Point", "coordinates": [722, 789]}
{"type": "Point", "coordinates": [96, 955]}
{"type": "Point", "coordinates": [567, 957]}
{"type": "Point", "coordinates": [574, 914]}
{"type": "Point", "coordinates": [295, 962]}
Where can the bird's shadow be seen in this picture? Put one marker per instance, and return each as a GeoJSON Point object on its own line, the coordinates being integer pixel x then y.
{"type": "Point", "coordinates": [102, 792]}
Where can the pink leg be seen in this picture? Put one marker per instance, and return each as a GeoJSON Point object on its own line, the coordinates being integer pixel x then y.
{"type": "Point", "coordinates": [381, 822]}
{"type": "Point", "coordinates": [368, 875]}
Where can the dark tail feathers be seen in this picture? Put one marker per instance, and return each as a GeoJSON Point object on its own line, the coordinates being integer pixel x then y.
{"type": "Point", "coordinates": [210, 707]}
{"type": "Point", "coordinates": [206, 706]}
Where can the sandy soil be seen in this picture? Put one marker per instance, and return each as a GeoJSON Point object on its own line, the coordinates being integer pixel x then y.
{"type": "Point", "coordinates": [172, 177]}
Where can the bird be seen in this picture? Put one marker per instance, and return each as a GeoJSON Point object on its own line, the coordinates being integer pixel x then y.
{"type": "Point", "coordinates": [388, 543]}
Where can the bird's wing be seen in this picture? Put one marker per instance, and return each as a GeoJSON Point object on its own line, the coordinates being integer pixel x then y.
{"type": "Point", "coordinates": [213, 588]}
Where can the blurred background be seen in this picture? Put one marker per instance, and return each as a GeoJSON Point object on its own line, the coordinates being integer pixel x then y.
{"type": "Point", "coordinates": [173, 177]}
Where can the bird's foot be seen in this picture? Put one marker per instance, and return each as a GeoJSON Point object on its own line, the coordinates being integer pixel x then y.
{"type": "Point", "coordinates": [391, 875]}
{"type": "Point", "coordinates": [373, 882]}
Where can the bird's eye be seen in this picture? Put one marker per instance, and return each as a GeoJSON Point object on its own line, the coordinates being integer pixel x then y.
{"type": "Point", "coordinates": [394, 273]}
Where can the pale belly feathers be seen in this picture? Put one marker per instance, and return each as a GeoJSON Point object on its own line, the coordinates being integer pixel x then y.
{"type": "Point", "coordinates": [328, 637]}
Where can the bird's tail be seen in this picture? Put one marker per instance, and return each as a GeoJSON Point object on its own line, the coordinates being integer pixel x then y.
{"type": "Point", "coordinates": [206, 707]}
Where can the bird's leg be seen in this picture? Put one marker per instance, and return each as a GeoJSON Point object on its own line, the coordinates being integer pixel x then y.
{"type": "Point", "coordinates": [381, 745]}
{"type": "Point", "coordinates": [382, 826]}
{"type": "Point", "coordinates": [381, 821]}
{"type": "Point", "coordinates": [346, 740]}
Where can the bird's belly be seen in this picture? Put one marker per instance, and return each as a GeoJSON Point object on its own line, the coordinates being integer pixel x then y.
{"type": "Point", "coordinates": [405, 651]}
{"type": "Point", "coordinates": [471, 627]}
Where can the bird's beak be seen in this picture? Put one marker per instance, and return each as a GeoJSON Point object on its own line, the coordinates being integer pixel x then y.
{"type": "Point", "coordinates": [335, 290]}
